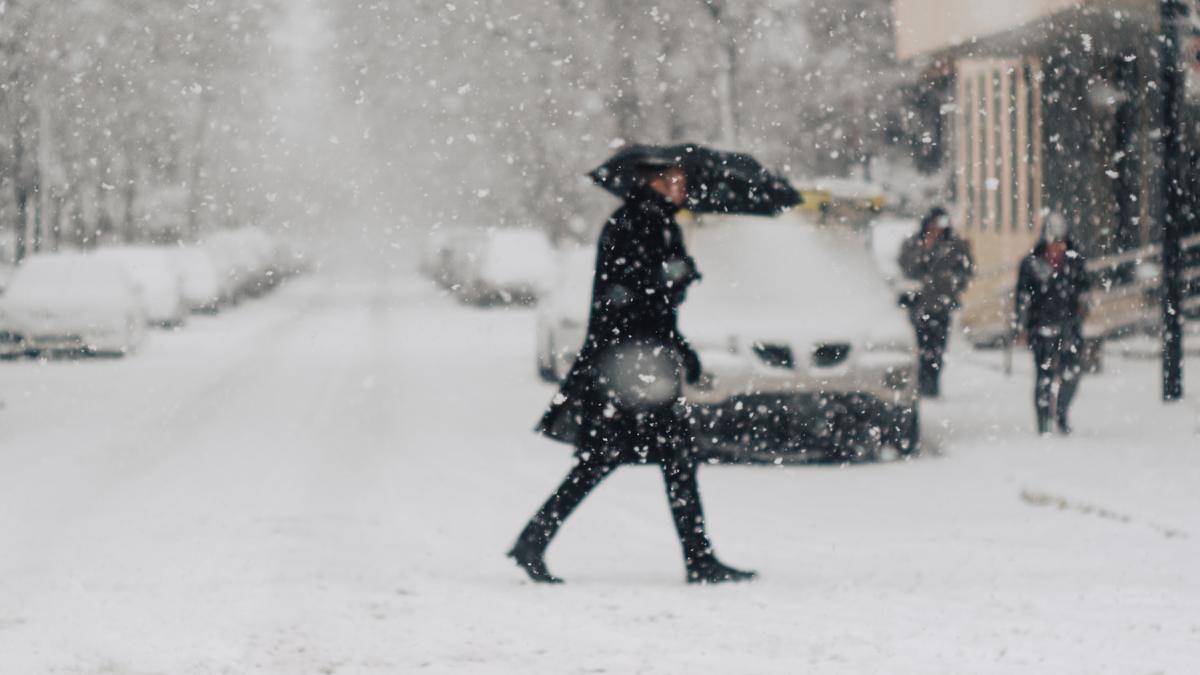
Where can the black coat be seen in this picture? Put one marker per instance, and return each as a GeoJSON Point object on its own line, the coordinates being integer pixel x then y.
{"type": "Point", "coordinates": [1046, 298]}
{"type": "Point", "coordinates": [623, 395]}
{"type": "Point", "coordinates": [944, 271]}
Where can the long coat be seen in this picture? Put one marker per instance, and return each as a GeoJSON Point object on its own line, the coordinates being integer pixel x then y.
{"type": "Point", "coordinates": [623, 395]}
{"type": "Point", "coordinates": [944, 271]}
{"type": "Point", "coordinates": [1047, 298]}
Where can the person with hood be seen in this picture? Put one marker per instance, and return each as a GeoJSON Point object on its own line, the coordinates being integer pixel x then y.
{"type": "Point", "coordinates": [941, 262]}
{"type": "Point", "coordinates": [1049, 309]}
{"type": "Point", "coordinates": [622, 401]}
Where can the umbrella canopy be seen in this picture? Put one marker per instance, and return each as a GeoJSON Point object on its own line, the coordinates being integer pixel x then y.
{"type": "Point", "coordinates": [717, 182]}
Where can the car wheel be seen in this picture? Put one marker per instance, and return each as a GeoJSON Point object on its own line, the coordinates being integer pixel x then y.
{"type": "Point", "coordinates": [907, 438]}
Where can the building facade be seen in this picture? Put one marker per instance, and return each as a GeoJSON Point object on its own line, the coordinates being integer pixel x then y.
{"type": "Point", "coordinates": [1055, 107]}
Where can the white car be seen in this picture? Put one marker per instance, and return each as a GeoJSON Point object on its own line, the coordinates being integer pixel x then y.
{"type": "Point", "coordinates": [563, 313]}
{"type": "Point", "coordinates": [246, 261]}
{"type": "Point", "coordinates": [70, 302]}
{"type": "Point", "coordinates": [259, 248]}
{"type": "Point", "coordinates": [809, 355]}
{"type": "Point", "coordinates": [506, 265]}
{"type": "Point", "coordinates": [154, 271]}
{"type": "Point", "coordinates": [200, 279]}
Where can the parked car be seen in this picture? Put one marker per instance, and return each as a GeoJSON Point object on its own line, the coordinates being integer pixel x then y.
{"type": "Point", "coordinates": [507, 266]}
{"type": "Point", "coordinates": [200, 278]}
{"type": "Point", "coordinates": [259, 248]}
{"type": "Point", "coordinates": [154, 271]}
{"type": "Point", "coordinates": [435, 252]}
{"type": "Point", "coordinates": [449, 254]}
{"type": "Point", "coordinates": [70, 303]}
{"type": "Point", "coordinates": [810, 356]}
{"type": "Point", "coordinates": [290, 257]}
{"type": "Point", "coordinates": [246, 260]}
{"type": "Point", "coordinates": [563, 312]}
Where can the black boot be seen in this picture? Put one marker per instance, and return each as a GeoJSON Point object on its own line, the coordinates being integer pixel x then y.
{"type": "Point", "coordinates": [1066, 392]}
{"type": "Point", "coordinates": [531, 558]}
{"type": "Point", "coordinates": [712, 571]}
{"type": "Point", "coordinates": [1043, 422]}
{"type": "Point", "coordinates": [530, 549]}
{"type": "Point", "coordinates": [929, 385]}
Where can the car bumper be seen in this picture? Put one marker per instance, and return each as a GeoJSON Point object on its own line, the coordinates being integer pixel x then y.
{"type": "Point", "coordinates": [757, 412]}
{"type": "Point", "coordinates": [798, 427]}
{"type": "Point", "coordinates": [11, 343]}
{"type": "Point", "coordinates": [63, 341]}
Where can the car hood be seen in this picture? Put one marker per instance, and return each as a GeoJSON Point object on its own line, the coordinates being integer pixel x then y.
{"type": "Point", "coordinates": [786, 281]}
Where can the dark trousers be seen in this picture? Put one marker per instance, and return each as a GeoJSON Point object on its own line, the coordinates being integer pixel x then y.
{"type": "Point", "coordinates": [1057, 355]}
{"type": "Point", "coordinates": [932, 332]}
{"type": "Point", "coordinates": [679, 475]}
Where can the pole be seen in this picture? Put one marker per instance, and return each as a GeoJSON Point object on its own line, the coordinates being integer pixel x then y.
{"type": "Point", "coordinates": [1173, 188]}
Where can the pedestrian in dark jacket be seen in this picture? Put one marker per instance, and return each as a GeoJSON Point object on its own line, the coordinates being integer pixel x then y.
{"type": "Point", "coordinates": [622, 401]}
{"type": "Point", "coordinates": [942, 263]}
{"type": "Point", "coordinates": [1049, 310]}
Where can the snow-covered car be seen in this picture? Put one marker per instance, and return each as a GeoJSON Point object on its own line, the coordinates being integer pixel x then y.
{"type": "Point", "coordinates": [155, 272]}
{"type": "Point", "coordinates": [290, 257]}
{"type": "Point", "coordinates": [507, 266]}
{"type": "Point", "coordinates": [246, 260]}
{"type": "Point", "coordinates": [810, 356]}
{"type": "Point", "coordinates": [200, 279]}
{"type": "Point", "coordinates": [563, 312]}
{"type": "Point", "coordinates": [450, 253]}
{"type": "Point", "coordinates": [436, 254]}
{"type": "Point", "coordinates": [68, 303]}
{"type": "Point", "coordinates": [260, 253]}
{"type": "Point", "coordinates": [229, 262]}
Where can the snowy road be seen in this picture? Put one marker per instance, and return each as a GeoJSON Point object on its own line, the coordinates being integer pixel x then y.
{"type": "Point", "coordinates": [325, 481]}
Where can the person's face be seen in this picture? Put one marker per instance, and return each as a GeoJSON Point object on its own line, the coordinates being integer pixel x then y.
{"type": "Point", "coordinates": [938, 226]}
{"type": "Point", "coordinates": [672, 184]}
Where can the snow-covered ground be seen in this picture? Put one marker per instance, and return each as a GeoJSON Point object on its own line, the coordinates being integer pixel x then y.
{"type": "Point", "coordinates": [325, 481]}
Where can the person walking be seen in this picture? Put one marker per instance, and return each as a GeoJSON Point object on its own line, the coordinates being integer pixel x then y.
{"type": "Point", "coordinates": [622, 402]}
{"type": "Point", "coordinates": [1050, 306]}
{"type": "Point", "coordinates": [941, 262]}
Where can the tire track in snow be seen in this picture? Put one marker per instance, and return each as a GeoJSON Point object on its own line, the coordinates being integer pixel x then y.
{"type": "Point", "coordinates": [1049, 500]}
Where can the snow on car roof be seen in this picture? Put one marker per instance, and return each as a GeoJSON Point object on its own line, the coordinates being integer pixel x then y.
{"type": "Point", "coordinates": [65, 272]}
{"type": "Point", "coordinates": [789, 280]}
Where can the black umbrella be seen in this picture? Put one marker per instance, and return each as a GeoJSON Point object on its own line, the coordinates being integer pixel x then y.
{"type": "Point", "coordinates": [717, 182]}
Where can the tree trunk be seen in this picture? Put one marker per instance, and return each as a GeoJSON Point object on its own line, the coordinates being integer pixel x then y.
{"type": "Point", "coordinates": [733, 103]}
{"type": "Point", "coordinates": [22, 239]}
{"type": "Point", "coordinates": [726, 85]}
{"type": "Point", "coordinates": [674, 99]}
{"type": "Point", "coordinates": [21, 194]}
{"type": "Point", "coordinates": [38, 239]}
{"type": "Point", "coordinates": [197, 168]}
{"type": "Point", "coordinates": [624, 103]}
